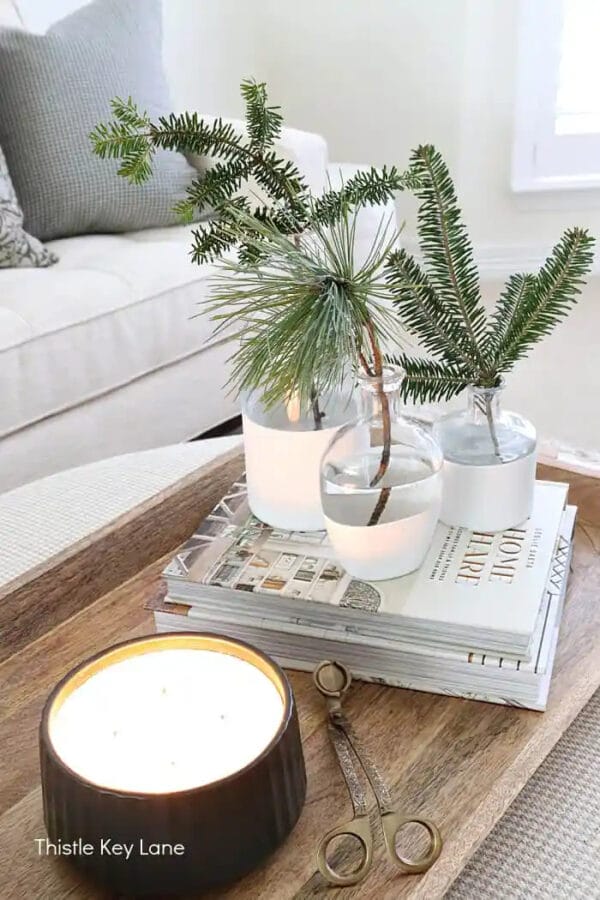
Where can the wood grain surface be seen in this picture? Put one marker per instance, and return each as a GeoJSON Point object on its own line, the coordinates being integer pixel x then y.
{"type": "Point", "coordinates": [456, 761]}
{"type": "Point", "coordinates": [92, 567]}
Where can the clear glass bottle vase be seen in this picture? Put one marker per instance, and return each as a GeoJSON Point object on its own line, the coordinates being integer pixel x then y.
{"type": "Point", "coordinates": [381, 485]}
{"type": "Point", "coordinates": [489, 463]}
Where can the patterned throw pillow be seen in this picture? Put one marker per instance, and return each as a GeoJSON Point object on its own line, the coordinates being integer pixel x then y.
{"type": "Point", "coordinates": [17, 248]}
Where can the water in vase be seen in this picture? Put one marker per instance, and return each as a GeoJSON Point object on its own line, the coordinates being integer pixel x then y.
{"type": "Point", "coordinates": [405, 504]}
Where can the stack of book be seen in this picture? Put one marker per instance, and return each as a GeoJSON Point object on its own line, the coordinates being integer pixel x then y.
{"type": "Point", "coordinates": [479, 619]}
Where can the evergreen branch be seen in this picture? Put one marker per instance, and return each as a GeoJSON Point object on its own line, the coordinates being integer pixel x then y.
{"type": "Point", "coordinates": [263, 122]}
{"type": "Point", "coordinates": [132, 134]}
{"type": "Point", "coordinates": [210, 242]}
{"type": "Point", "coordinates": [427, 380]}
{"type": "Point", "coordinates": [372, 187]}
{"type": "Point", "coordinates": [215, 188]}
{"type": "Point", "coordinates": [186, 132]}
{"type": "Point", "coordinates": [553, 293]}
{"type": "Point", "coordinates": [509, 302]}
{"type": "Point", "coordinates": [421, 310]}
{"type": "Point", "coordinates": [133, 138]}
{"type": "Point", "coordinates": [215, 238]}
{"type": "Point", "coordinates": [280, 177]}
{"type": "Point", "coordinates": [121, 139]}
{"type": "Point", "coordinates": [303, 313]}
{"type": "Point", "coordinates": [447, 250]}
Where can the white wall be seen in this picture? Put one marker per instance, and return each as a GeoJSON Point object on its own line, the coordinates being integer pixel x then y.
{"type": "Point", "coordinates": [209, 47]}
{"type": "Point", "coordinates": [380, 77]}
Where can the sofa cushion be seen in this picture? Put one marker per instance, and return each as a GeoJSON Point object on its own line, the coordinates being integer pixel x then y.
{"type": "Point", "coordinates": [56, 87]}
{"type": "Point", "coordinates": [17, 248]}
{"type": "Point", "coordinates": [113, 309]}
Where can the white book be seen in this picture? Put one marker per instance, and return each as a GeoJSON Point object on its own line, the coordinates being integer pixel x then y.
{"type": "Point", "coordinates": [474, 590]}
{"type": "Point", "coordinates": [489, 678]}
{"type": "Point", "coordinates": [206, 610]}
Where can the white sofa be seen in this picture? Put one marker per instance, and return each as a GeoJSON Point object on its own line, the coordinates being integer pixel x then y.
{"type": "Point", "coordinates": [99, 354]}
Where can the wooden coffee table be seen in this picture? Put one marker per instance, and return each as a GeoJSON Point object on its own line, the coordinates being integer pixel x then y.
{"type": "Point", "coordinates": [456, 761]}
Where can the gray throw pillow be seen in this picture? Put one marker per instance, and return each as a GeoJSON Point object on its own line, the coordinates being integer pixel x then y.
{"type": "Point", "coordinates": [17, 248]}
{"type": "Point", "coordinates": [54, 89]}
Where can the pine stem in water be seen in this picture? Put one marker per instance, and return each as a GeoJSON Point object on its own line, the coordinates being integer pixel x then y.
{"type": "Point", "coordinates": [492, 426]}
{"type": "Point", "coordinates": [318, 416]}
{"type": "Point", "coordinates": [386, 450]}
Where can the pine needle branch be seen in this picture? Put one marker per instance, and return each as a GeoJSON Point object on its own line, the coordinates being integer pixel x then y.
{"type": "Point", "coordinates": [447, 249]}
{"type": "Point", "coordinates": [440, 302]}
{"type": "Point", "coordinates": [239, 160]}
{"type": "Point", "coordinates": [550, 297]}
{"type": "Point", "coordinates": [371, 187]}
{"type": "Point", "coordinates": [124, 139]}
{"type": "Point", "coordinates": [427, 380]}
{"type": "Point", "coordinates": [515, 290]}
{"type": "Point", "coordinates": [422, 310]}
{"type": "Point", "coordinates": [263, 122]}
{"type": "Point", "coordinates": [302, 315]}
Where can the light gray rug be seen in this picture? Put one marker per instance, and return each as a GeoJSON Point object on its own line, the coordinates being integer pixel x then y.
{"type": "Point", "coordinates": [547, 846]}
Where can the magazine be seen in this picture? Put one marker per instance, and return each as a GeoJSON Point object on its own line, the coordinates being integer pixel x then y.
{"type": "Point", "coordinates": [497, 680]}
{"type": "Point", "coordinates": [474, 590]}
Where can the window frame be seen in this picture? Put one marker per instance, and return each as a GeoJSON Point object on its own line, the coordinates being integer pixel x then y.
{"type": "Point", "coordinates": [543, 160]}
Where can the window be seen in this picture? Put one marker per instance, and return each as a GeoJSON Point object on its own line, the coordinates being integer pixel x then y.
{"type": "Point", "coordinates": [557, 134]}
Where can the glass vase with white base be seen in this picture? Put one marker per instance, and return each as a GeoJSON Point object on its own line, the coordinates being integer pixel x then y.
{"type": "Point", "coordinates": [381, 485]}
{"type": "Point", "coordinates": [283, 446]}
{"type": "Point", "coordinates": [489, 464]}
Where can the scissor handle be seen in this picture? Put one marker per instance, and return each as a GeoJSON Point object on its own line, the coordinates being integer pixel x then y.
{"type": "Point", "coordinates": [332, 678]}
{"type": "Point", "coordinates": [358, 828]}
{"type": "Point", "coordinates": [392, 823]}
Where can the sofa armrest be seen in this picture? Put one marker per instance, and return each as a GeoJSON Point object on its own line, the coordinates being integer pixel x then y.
{"type": "Point", "coordinates": [307, 151]}
{"type": "Point", "coordinates": [310, 154]}
{"type": "Point", "coordinates": [368, 218]}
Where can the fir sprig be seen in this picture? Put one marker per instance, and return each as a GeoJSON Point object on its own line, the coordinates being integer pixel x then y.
{"type": "Point", "coordinates": [237, 159]}
{"type": "Point", "coordinates": [447, 251]}
{"type": "Point", "coordinates": [125, 138]}
{"type": "Point", "coordinates": [373, 187]}
{"type": "Point", "coordinates": [440, 302]}
{"type": "Point", "coordinates": [544, 300]}
{"type": "Point", "coordinates": [264, 123]}
{"type": "Point", "coordinates": [423, 310]}
{"type": "Point", "coordinates": [439, 380]}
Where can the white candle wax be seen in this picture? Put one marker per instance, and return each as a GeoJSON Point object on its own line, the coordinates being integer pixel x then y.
{"type": "Point", "coordinates": [167, 720]}
{"type": "Point", "coordinates": [488, 498]}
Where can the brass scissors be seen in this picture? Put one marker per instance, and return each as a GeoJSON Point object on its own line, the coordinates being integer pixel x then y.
{"type": "Point", "coordinates": [333, 679]}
